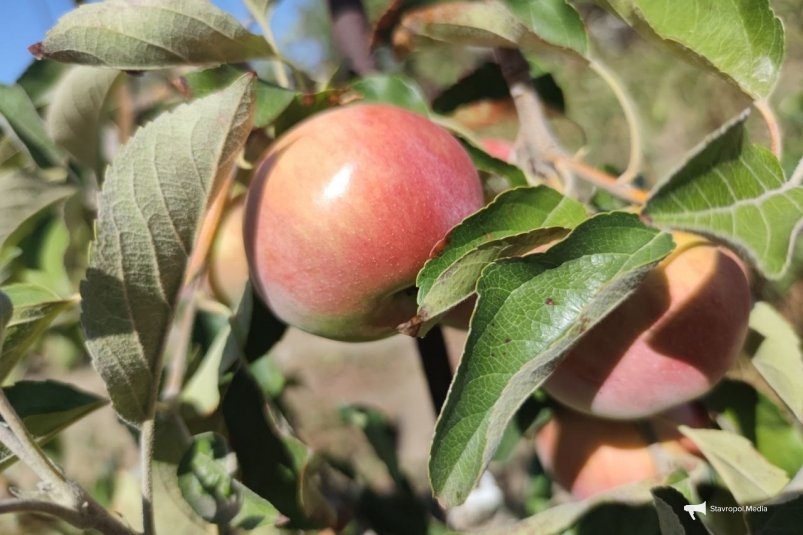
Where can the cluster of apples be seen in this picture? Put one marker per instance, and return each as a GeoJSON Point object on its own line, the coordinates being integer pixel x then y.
{"type": "Point", "coordinates": [346, 207]}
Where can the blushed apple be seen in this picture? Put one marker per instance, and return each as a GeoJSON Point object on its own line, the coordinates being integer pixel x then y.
{"type": "Point", "coordinates": [228, 266]}
{"type": "Point", "coordinates": [586, 455]}
{"type": "Point", "coordinates": [669, 342]}
{"type": "Point", "coordinates": [343, 212]}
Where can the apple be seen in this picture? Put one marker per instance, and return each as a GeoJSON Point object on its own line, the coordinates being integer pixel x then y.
{"type": "Point", "coordinates": [499, 148]}
{"type": "Point", "coordinates": [586, 455]}
{"type": "Point", "coordinates": [344, 210]}
{"type": "Point", "coordinates": [228, 266]}
{"type": "Point", "coordinates": [671, 341]}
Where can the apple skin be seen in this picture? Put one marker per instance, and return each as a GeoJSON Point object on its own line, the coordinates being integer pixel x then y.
{"type": "Point", "coordinates": [587, 455]}
{"type": "Point", "coordinates": [343, 212]}
{"type": "Point", "coordinates": [228, 266]}
{"type": "Point", "coordinates": [671, 341]}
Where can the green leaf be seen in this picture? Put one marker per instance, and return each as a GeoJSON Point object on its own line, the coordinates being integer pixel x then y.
{"type": "Point", "coordinates": [47, 407]}
{"type": "Point", "coordinates": [674, 520]}
{"type": "Point", "coordinates": [35, 308]}
{"type": "Point", "coordinates": [554, 21]}
{"type": "Point", "coordinates": [741, 40]}
{"type": "Point", "coordinates": [271, 463]}
{"type": "Point", "coordinates": [150, 34]}
{"type": "Point", "coordinates": [153, 200]}
{"type": "Point", "coordinates": [201, 391]}
{"type": "Point", "coordinates": [73, 118]}
{"type": "Point", "coordinates": [25, 195]}
{"type": "Point", "coordinates": [393, 89]}
{"type": "Point", "coordinates": [736, 193]}
{"type": "Point", "coordinates": [517, 221]}
{"type": "Point", "coordinates": [782, 517]}
{"type": "Point", "coordinates": [747, 474]}
{"type": "Point", "coordinates": [559, 518]}
{"type": "Point", "coordinates": [530, 311]}
{"type": "Point", "coordinates": [493, 165]}
{"type": "Point", "coordinates": [270, 100]}
{"type": "Point", "coordinates": [744, 410]}
{"type": "Point", "coordinates": [20, 120]}
{"type": "Point", "coordinates": [550, 24]}
{"type": "Point", "coordinates": [206, 482]}
{"type": "Point", "coordinates": [779, 356]}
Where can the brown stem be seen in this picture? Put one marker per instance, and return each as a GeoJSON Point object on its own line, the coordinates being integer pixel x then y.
{"type": "Point", "coordinates": [352, 34]}
{"type": "Point", "coordinates": [91, 516]}
{"type": "Point", "coordinates": [534, 130]}
{"type": "Point", "coordinates": [601, 179]}
{"type": "Point", "coordinates": [437, 368]}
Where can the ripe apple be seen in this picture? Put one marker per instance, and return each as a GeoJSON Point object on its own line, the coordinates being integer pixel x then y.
{"type": "Point", "coordinates": [228, 266]}
{"type": "Point", "coordinates": [668, 343]}
{"type": "Point", "coordinates": [344, 210]}
{"type": "Point", "coordinates": [586, 455]}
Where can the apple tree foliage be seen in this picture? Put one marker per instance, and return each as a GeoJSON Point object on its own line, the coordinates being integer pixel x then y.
{"type": "Point", "coordinates": [121, 144]}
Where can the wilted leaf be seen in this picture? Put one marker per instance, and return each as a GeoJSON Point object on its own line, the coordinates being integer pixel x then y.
{"type": "Point", "coordinates": [20, 120]}
{"type": "Point", "coordinates": [74, 115]}
{"type": "Point", "coordinates": [748, 475]}
{"type": "Point", "coordinates": [514, 223]}
{"type": "Point", "coordinates": [734, 192]}
{"type": "Point", "coordinates": [206, 482]}
{"type": "Point", "coordinates": [392, 89]}
{"type": "Point", "coordinates": [47, 407]}
{"type": "Point", "coordinates": [779, 356]}
{"type": "Point", "coordinates": [34, 310]}
{"type": "Point", "coordinates": [530, 311]}
{"type": "Point", "coordinates": [492, 23]}
{"type": "Point", "coordinates": [150, 34]}
{"type": "Point", "coordinates": [25, 195]}
{"type": "Point", "coordinates": [151, 205]}
{"type": "Point", "coordinates": [741, 40]}
{"type": "Point", "coordinates": [270, 100]}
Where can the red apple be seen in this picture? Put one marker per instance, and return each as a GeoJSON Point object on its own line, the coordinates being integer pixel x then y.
{"type": "Point", "coordinates": [343, 212]}
{"type": "Point", "coordinates": [587, 455]}
{"type": "Point", "coordinates": [668, 343]}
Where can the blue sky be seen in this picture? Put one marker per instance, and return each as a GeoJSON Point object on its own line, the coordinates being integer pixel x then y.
{"type": "Point", "coordinates": [24, 22]}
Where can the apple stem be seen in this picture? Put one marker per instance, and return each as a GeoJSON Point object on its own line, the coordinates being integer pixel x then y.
{"type": "Point", "coordinates": [437, 369]}
{"type": "Point", "coordinates": [773, 126]}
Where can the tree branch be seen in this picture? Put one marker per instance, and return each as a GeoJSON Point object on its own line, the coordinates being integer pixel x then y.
{"type": "Point", "coordinates": [352, 34]}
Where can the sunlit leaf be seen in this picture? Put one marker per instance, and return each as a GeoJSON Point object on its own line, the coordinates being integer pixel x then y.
{"type": "Point", "coordinates": [206, 482]}
{"type": "Point", "coordinates": [392, 89]}
{"type": "Point", "coordinates": [516, 222]}
{"type": "Point", "coordinates": [149, 211]}
{"type": "Point", "coordinates": [47, 407]}
{"type": "Point", "coordinates": [741, 40]}
{"type": "Point", "coordinates": [551, 25]}
{"type": "Point", "coordinates": [20, 121]}
{"type": "Point", "coordinates": [779, 356]}
{"type": "Point", "coordinates": [748, 475]}
{"type": "Point", "coordinates": [25, 195]}
{"type": "Point", "coordinates": [737, 193]}
{"type": "Point", "coordinates": [554, 21]}
{"type": "Point", "coordinates": [150, 34]}
{"type": "Point", "coordinates": [530, 311]}
{"type": "Point", "coordinates": [269, 100]}
{"type": "Point", "coordinates": [35, 308]}
{"type": "Point", "coordinates": [73, 118]}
